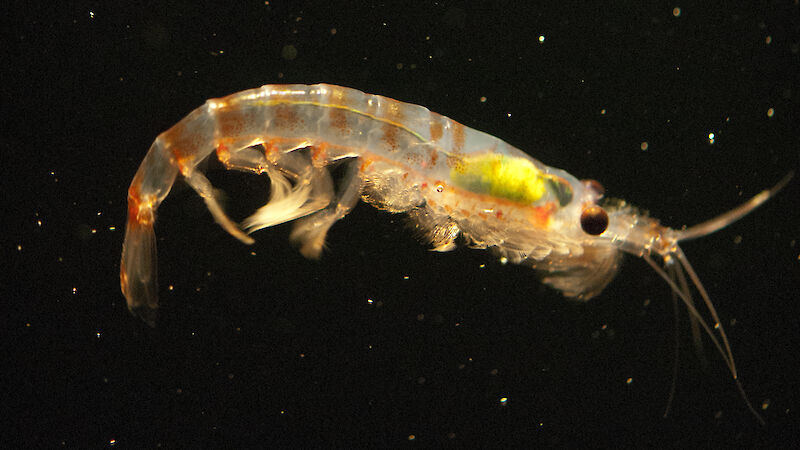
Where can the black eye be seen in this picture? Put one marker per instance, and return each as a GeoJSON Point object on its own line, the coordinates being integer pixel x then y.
{"type": "Point", "coordinates": [594, 220]}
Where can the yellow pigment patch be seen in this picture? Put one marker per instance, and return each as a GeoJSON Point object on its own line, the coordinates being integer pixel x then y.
{"type": "Point", "coordinates": [515, 179]}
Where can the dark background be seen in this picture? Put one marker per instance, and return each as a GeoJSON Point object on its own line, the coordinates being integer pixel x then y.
{"type": "Point", "coordinates": [258, 347]}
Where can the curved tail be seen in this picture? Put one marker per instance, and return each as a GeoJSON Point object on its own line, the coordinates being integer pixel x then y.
{"type": "Point", "coordinates": [137, 274]}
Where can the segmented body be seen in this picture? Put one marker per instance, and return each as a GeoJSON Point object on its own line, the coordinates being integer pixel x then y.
{"type": "Point", "coordinates": [451, 180]}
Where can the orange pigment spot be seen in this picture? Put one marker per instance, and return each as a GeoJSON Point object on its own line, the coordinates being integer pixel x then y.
{"type": "Point", "coordinates": [458, 137]}
{"type": "Point", "coordinates": [456, 163]}
{"type": "Point", "coordinates": [390, 136]}
{"type": "Point", "coordinates": [338, 120]}
{"type": "Point", "coordinates": [436, 131]}
{"type": "Point", "coordinates": [286, 118]}
{"type": "Point", "coordinates": [414, 158]}
{"type": "Point", "coordinates": [183, 163]}
{"type": "Point", "coordinates": [540, 215]}
{"type": "Point", "coordinates": [231, 121]}
{"type": "Point", "coordinates": [392, 110]}
{"type": "Point", "coordinates": [123, 277]}
{"type": "Point", "coordinates": [139, 213]}
{"type": "Point", "coordinates": [223, 154]}
{"type": "Point", "coordinates": [365, 164]}
{"type": "Point", "coordinates": [434, 156]}
{"type": "Point", "coordinates": [319, 155]}
{"type": "Point", "coordinates": [270, 147]}
{"type": "Point", "coordinates": [338, 116]}
{"type": "Point", "coordinates": [338, 96]}
{"type": "Point", "coordinates": [177, 141]}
